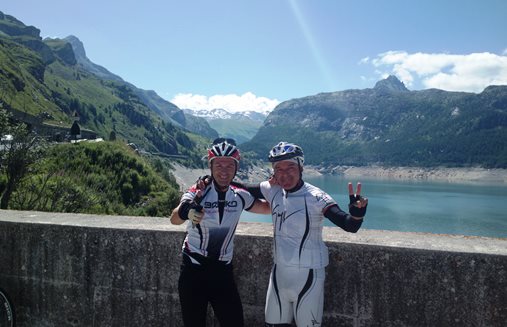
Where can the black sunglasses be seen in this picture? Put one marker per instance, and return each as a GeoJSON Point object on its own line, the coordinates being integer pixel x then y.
{"type": "Point", "coordinates": [222, 140]}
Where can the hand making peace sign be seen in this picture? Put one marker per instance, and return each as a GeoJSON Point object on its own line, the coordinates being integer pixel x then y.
{"type": "Point", "coordinates": [358, 204]}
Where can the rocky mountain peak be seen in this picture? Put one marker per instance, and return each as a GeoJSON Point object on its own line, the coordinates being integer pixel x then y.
{"type": "Point", "coordinates": [391, 83]}
{"type": "Point", "coordinates": [13, 27]}
{"type": "Point", "coordinates": [77, 46]}
{"type": "Point", "coordinates": [82, 59]}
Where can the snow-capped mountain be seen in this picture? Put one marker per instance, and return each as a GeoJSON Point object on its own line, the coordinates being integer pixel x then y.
{"type": "Point", "coordinates": [224, 114]}
{"type": "Point", "coordinates": [241, 126]}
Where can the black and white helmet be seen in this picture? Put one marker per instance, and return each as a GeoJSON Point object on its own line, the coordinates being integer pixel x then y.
{"type": "Point", "coordinates": [222, 147]}
{"type": "Point", "coordinates": [286, 151]}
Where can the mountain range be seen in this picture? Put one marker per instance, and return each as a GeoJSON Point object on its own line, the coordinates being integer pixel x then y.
{"type": "Point", "coordinates": [224, 114]}
{"type": "Point", "coordinates": [164, 108]}
{"type": "Point", "coordinates": [390, 125]}
{"type": "Point", "coordinates": [241, 126]}
{"type": "Point", "coordinates": [47, 83]}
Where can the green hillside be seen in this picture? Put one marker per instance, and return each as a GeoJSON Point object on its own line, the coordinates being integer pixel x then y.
{"type": "Point", "coordinates": [101, 178]}
{"type": "Point", "coordinates": [21, 81]}
{"type": "Point", "coordinates": [46, 89]}
{"type": "Point", "coordinates": [43, 85]}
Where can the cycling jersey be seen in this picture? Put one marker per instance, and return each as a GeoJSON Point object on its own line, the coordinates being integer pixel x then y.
{"type": "Point", "coordinates": [213, 237]}
{"type": "Point", "coordinates": [297, 221]}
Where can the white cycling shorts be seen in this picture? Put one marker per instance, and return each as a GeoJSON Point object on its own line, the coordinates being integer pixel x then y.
{"type": "Point", "coordinates": [295, 294]}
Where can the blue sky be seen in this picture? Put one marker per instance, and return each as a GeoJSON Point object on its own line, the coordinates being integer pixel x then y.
{"type": "Point", "coordinates": [251, 55]}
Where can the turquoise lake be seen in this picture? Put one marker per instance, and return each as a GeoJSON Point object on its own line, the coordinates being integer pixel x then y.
{"type": "Point", "coordinates": [474, 209]}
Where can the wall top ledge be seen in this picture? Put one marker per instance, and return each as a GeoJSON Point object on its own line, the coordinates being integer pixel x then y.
{"type": "Point", "coordinates": [380, 238]}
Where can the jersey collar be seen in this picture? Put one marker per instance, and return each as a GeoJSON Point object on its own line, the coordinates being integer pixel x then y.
{"type": "Point", "coordinates": [295, 189]}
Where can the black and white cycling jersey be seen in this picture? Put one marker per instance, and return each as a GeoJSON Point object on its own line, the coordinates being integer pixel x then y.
{"type": "Point", "coordinates": [298, 218]}
{"type": "Point", "coordinates": [214, 236]}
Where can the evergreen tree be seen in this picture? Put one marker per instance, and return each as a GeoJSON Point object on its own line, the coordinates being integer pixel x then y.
{"type": "Point", "coordinates": [19, 149]}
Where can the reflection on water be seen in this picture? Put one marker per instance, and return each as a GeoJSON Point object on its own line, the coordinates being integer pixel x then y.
{"type": "Point", "coordinates": [422, 206]}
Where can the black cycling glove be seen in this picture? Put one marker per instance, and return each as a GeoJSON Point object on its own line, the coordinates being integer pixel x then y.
{"type": "Point", "coordinates": [353, 209]}
{"type": "Point", "coordinates": [185, 208]}
{"type": "Point", "coordinates": [206, 179]}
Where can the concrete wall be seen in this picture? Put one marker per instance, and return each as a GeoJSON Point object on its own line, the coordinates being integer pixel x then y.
{"type": "Point", "coordinates": [85, 270]}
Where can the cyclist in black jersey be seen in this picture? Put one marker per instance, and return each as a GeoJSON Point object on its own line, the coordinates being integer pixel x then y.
{"type": "Point", "coordinates": [213, 213]}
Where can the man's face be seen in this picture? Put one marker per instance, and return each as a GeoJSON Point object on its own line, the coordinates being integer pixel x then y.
{"type": "Point", "coordinates": [223, 170]}
{"type": "Point", "coordinates": [287, 174]}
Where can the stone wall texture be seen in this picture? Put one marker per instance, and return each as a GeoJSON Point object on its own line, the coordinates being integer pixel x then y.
{"type": "Point", "coordinates": [89, 270]}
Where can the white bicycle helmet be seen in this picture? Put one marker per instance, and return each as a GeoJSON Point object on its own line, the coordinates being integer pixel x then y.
{"type": "Point", "coordinates": [286, 151]}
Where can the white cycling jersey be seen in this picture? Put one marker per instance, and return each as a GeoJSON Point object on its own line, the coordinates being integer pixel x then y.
{"type": "Point", "coordinates": [214, 236]}
{"type": "Point", "coordinates": [298, 218]}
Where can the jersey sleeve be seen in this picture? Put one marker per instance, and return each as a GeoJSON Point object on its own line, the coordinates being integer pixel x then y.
{"type": "Point", "coordinates": [324, 200]}
{"type": "Point", "coordinates": [189, 195]}
{"type": "Point", "coordinates": [342, 219]}
{"type": "Point", "coordinates": [266, 189]}
{"type": "Point", "coordinates": [247, 197]}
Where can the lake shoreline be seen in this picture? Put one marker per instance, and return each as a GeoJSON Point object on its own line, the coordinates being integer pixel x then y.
{"type": "Point", "coordinates": [474, 174]}
{"type": "Point", "coordinates": [185, 177]}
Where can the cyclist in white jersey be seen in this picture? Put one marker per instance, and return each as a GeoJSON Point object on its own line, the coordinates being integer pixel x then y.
{"type": "Point", "coordinates": [206, 272]}
{"type": "Point", "coordinates": [296, 286]}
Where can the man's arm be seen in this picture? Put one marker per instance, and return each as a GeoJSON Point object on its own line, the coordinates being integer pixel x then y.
{"type": "Point", "coordinates": [252, 188]}
{"type": "Point", "coordinates": [187, 210]}
{"type": "Point", "coordinates": [352, 221]}
{"type": "Point", "coordinates": [261, 207]}
{"type": "Point", "coordinates": [175, 217]}
{"type": "Point", "coordinates": [342, 219]}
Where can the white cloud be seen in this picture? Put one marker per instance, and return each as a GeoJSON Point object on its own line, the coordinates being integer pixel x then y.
{"type": "Point", "coordinates": [230, 102]}
{"type": "Point", "coordinates": [471, 73]}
